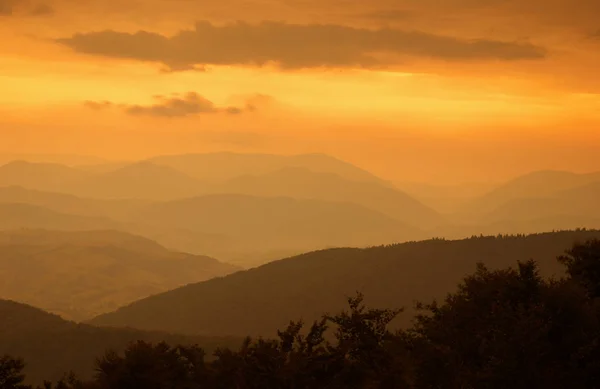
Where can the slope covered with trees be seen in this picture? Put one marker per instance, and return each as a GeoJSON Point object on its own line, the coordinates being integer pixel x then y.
{"type": "Point", "coordinates": [260, 300]}
{"type": "Point", "coordinates": [52, 346]}
{"type": "Point", "coordinates": [502, 328]}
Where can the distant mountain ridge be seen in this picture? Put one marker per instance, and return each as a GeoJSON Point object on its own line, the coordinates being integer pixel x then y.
{"type": "Point", "coordinates": [140, 180]}
{"type": "Point", "coordinates": [300, 182]}
{"type": "Point", "coordinates": [219, 167]}
{"type": "Point", "coordinates": [246, 229]}
{"type": "Point", "coordinates": [117, 195]}
{"type": "Point", "coordinates": [22, 215]}
{"type": "Point", "coordinates": [68, 203]}
{"type": "Point", "coordinates": [41, 176]}
{"type": "Point", "coordinates": [533, 185]}
{"type": "Point", "coordinates": [277, 223]}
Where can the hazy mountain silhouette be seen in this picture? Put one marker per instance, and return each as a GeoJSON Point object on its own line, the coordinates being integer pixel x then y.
{"type": "Point", "coordinates": [588, 193]}
{"type": "Point", "coordinates": [218, 167]}
{"type": "Point", "coordinates": [299, 182]}
{"type": "Point", "coordinates": [82, 274]}
{"type": "Point", "coordinates": [276, 223]}
{"type": "Point", "coordinates": [533, 185]}
{"type": "Point", "coordinates": [445, 198]}
{"type": "Point", "coordinates": [52, 346]}
{"type": "Point", "coordinates": [260, 300]}
{"type": "Point", "coordinates": [41, 176]}
{"type": "Point", "coordinates": [106, 167]}
{"type": "Point", "coordinates": [65, 203]}
{"type": "Point", "coordinates": [61, 159]}
{"type": "Point", "coordinates": [247, 230]}
{"type": "Point", "coordinates": [19, 215]}
{"type": "Point", "coordinates": [141, 180]}
{"type": "Point", "coordinates": [579, 203]}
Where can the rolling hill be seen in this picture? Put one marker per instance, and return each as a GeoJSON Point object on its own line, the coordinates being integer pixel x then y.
{"type": "Point", "coordinates": [539, 184]}
{"type": "Point", "coordinates": [138, 180]}
{"type": "Point", "coordinates": [141, 180]}
{"type": "Point", "coordinates": [82, 274]}
{"type": "Point", "coordinates": [62, 159]}
{"type": "Point", "coordinates": [219, 167]}
{"type": "Point", "coordinates": [580, 202]}
{"type": "Point", "coordinates": [52, 346]}
{"type": "Point", "coordinates": [261, 224]}
{"type": "Point", "coordinates": [445, 199]}
{"type": "Point", "coordinates": [65, 203]}
{"type": "Point", "coordinates": [298, 182]}
{"type": "Point", "coordinates": [20, 215]}
{"type": "Point", "coordinates": [41, 176]}
{"type": "Point", "coordinates": [261, 300]}
{"type": "Point", "coordinates": [245, 230]}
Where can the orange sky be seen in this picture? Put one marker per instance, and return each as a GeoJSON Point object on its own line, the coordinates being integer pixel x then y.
{"type": "Point", "coordinates": [428, 90]}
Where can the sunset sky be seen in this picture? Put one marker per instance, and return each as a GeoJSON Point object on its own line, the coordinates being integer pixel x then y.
{"type": "Point", "coordinates": [417, 90]}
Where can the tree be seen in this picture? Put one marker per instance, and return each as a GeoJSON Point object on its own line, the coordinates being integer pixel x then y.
{"type": "Point", "coordinates": [583, 265]}
{"type": "Point", "coordinates": [365, 344]}
{"type": "Point", "coordinates": [505, 328]}
{"type": "Point", "coordinates": [11, 373]}
{"type": "Point", "coordinates": [149, 366]}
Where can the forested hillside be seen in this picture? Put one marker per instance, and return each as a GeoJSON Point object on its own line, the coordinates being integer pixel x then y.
{"type": "Point", "coordinates": [502, 328]}
{"type": "Point", "coordinates": [258, 301]}
{"type": "Point", "coordinates": [52, 346]}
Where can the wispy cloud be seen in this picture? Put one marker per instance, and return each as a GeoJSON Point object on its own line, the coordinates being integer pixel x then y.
{"type": "Point", "coordinates": [189, 104]}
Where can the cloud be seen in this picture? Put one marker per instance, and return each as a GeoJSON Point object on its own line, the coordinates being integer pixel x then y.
{"type": "Point", "coordinates": [42, 10]}
{"type": "Point", "coordinates": [190, 104]}
{"type": "Point", "coordinates": [98, 105]}
{"type": "Point", "coordinates": [7, 7]}
{"type": "Point", "coordinates": [24, 7]}
{"type": "Point", "coordinates": [292, 46]}
{"type": "Point", "coordinates": [258, 100]}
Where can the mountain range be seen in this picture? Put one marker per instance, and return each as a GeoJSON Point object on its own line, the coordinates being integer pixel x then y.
{"type": "Point", "coordinates": [326, 203]}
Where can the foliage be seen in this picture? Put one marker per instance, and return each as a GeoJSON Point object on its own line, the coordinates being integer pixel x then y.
{"type": "Point", "coordinates": [11, 373]}
{"type": "Point", "coordinates": [500, 328]}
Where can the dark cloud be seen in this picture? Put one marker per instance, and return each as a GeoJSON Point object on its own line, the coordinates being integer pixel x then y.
{"type": "Point", "coordinates": [24, 7]}
{"type": "Point", "coordinates": [42, 10]}
{"type": "Point", "coordinates": [7, 7]}
{"type": "Point", "coordinates": [292, 46]}
{"type": "Point", "coordinates": [189, 104]}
